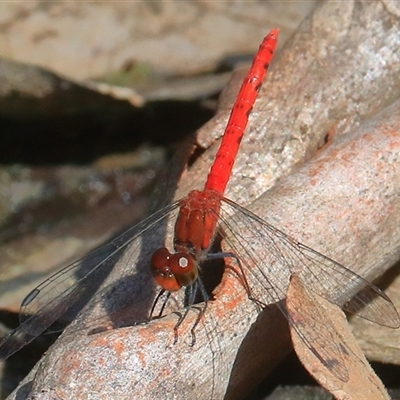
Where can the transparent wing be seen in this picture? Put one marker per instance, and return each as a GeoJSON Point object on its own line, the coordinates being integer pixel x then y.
{"type": "Point", "coordinates": [310, 322]}
{"type": "Point", "coordinates": [269, 257]}
{"type": "Point", "coordinates": [66, 292]}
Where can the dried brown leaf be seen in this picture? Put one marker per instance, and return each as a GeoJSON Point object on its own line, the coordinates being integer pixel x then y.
{"type": "Point", "coordinates": [326, 347]}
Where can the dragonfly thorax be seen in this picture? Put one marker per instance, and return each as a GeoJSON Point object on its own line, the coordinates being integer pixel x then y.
{"type": "Point", "coordinates": [196, 222]}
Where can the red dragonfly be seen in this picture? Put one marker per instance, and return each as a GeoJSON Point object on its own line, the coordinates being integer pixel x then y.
{"type": "Point", "coordinates": [201, 219]}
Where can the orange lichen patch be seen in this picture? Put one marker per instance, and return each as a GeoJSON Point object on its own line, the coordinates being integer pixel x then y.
{"type": "Point", "coordinates": [99, 341]}
{"type": "Point", "coordinates": [140, 353]}
{"type": "Point", "coordinates": [70, 362]}
{"type": "Point", "coordinates": [119, 347]}
{"type": "Point", "coordinates": [394, 145]}
{"type": "Point", "coordinates": [102, 341]}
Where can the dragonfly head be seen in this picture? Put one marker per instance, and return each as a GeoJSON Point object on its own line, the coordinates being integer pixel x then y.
{"type": "Point", "coordinates": [171, 271]}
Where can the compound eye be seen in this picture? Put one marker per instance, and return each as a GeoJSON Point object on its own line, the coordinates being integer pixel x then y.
{"type": "Point", "coordinates": [184, 268]}
{"type": "Point", "coordinates": [161, 270]}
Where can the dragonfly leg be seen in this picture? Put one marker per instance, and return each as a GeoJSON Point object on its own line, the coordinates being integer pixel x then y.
{"type": "Point", "coordinates": [155, 302]}
{"type": "Point", "coordinates": [191, 297]}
